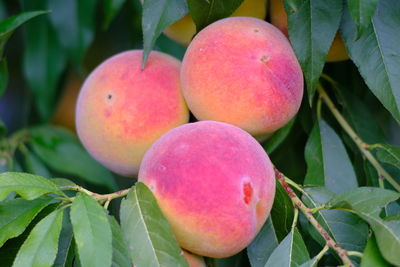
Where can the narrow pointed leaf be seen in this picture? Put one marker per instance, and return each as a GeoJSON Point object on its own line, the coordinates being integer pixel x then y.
{"type": "Point", "coordinates": [376, 52]}
{"type": "Point", "coordinates": [26, 185]}
{"type": "Point", "coordinates": [312, 25]}
{"type": "Point", "coordinates": [92, 231]}
{"type": "Point", "coordinates": [40, 248]}
{"type": "Point", "coordinates": [369, 200]}
{"type": "Point", "coordinates": [261, 248]}
{"type": "Point", "coordinates": [327, 160]}
{"type": "Point", "coordinates": [65, 242]}
{"type": "Point", "coordinates": [282, 212]}
{"type": "Point", "coordinates": [43, 60]}
{"type": "Point", "coordinates": [16, 214]}
{"type": "Point", "coordinates": [8, 25]}
{"type": "Point", "coordinates": [347, 229]}
{"type": "Point", "coordinates": [61, 151]}
{"type": "Point", "coordinates": [120, 255]}
{"type": "Point", "coordinates": [278, 137]}
{"type": "Point", "coordinates": [291, 251]}
{"type": "Point", "coordinates": [389, 154]}
{"type": "Point", "coordinates": [206, 12]}
{"type": "Point", "coordinates": [157, 15]}
{"type": "Point", "coordinates": [361, 12]}
{"type": "Point", "coordinates": [110, 10]}
{"type": "Point", "coordinates": [372, 256]}
{"type": "Point", "coordinates": [35, 166]}
{"type": "Point", "coordinates": [387, 234]}
{"type": "Point", "coordinates": [74, 22]}
{"type": "Point", "coordinates": [150, 239]}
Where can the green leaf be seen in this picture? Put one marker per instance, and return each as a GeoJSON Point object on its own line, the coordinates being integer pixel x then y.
{"type": "Point", "coordinates": [43, 60]}
{"type": "Point", "coordinates": [40, 248]}
{"type": "Point", "coordinates": [63, 183]}
{"type": "Point", "coordinates": [8, 25]}
{"type": "Point", "coordinates": [16, 214]}
{"type": "Point", "coordinates": [369, 200]}
{"type": "Point", "coordinates": [371, 255]}
{"type": "Point", "coordinates": [362, 11]}
{"type": "Point", "coordinates": [282, 212]}
{"type": "Point", "coordinates": [65, 244]}
{"type": "Point", "coordinates": [347, 229]}
{"type": "Point", "coordinates": [33, 165]}
{"type": "Point", "coordinates": [110, 9]}
{"type": "Point", "coordinates": [150, 239]}
{"type": "Point", "coordinates": [157, 15]}
{"type": "Point", "coordinates": [327, 160]}
{"type": "Point", "coordinates": [291, 251]}
{"type": "Point", "coordinates": [92, 231]}
{"type": "Point", "coordinates": [360, 116]}
{"type": "Point", "coordinates": [387, 234]}
{"type": "Point", "coordinates": [389, 154]}
{"type": "Point", "coordinates": [3, 76]}
{"type": "Point", "coordinates": [74, 22]}
{"type": "Point", "coordinates": [120, 255]}
{"type": "Point", "coordinates": [312, 26]}
{"type": "Point", "coordinates": [261, 248]}
{"type": "Point", "coordinates": [61, 151]}
{"type": "Point", "coordinates": [207, 12]}
{"type": "Point", "coordinates": [278, 137]}
{"type": "Point", "coordinates": [376, 52]}
{"type": "Point", "coordinates": [26, 185]}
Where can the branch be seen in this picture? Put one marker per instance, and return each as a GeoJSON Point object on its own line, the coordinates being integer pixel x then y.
{"type": "Point", "coordinates": [99, 197]}
{"type": "Point", "coordinates": [297, 203]}
{"type": "Point", "coordinates": [363, 147]}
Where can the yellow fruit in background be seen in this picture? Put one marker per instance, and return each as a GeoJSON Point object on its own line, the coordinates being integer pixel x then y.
{"type": "Point", "coordinates": [64, 114]}
{"type": "Point", "coordinates": [184, 29]}
{"type": "Point", "coordinates": [278, 18]}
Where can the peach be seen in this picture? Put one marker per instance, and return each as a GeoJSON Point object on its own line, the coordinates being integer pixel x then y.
{"type": "Point", "coordinates": [278, 18]}
{"type": "Point", "coordinates": [214, 183]}
{"type": "Point", "coordinates": [242, 71]}
{"type": "Point", "coordinates": [184, 29]}
{"type": "Point", "coordinates": [64, 114]}
{"type": "Point", "coordinates": [123, 109]}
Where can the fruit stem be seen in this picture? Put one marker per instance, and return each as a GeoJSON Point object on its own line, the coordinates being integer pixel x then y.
{"type": "Point", "coordinates": [297, 203]}
{"type": "Point", "coordinates": [363, 147]}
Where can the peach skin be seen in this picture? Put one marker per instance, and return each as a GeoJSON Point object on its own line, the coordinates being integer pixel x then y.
{"type": "Point", "coordinates": [214, 183]}
{"type": "Point", "coordinates": [242, 71]}
{"type": "Point", "coordinates": [123, 109]}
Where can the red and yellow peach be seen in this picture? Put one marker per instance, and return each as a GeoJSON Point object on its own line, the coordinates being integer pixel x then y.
{"type": "Point", "coordinates": [122, 109]}
{"type": "Point", "coordinates": [214, 183]}
{"type": "Point", "coordinates": [242, 71]}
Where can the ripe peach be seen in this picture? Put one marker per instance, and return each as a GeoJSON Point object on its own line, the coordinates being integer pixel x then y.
{"type": "Point", "coordinates": [64, 114]}
{"type": "Point", "coordinates": [242, 71]}
{"type": "Point", "coordinates": [278, 17]}
{"type": "Point", "coordinates": [123, 109]}
{"type": "Point", "coordinates": [214, 183]}
{"type": "Point", "coordinates": [184, 29]}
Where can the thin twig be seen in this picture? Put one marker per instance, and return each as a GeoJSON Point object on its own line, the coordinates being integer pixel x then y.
{"type": "Point", "coordinates": [99, 197]}
{"type": "Point", "coordinates": [363, 147]}
{"type": "Point", "coordinates": [297, 203]}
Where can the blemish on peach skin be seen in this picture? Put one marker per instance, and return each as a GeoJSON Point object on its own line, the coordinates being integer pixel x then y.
{"type": "Point", "coordinates": [248, 193]}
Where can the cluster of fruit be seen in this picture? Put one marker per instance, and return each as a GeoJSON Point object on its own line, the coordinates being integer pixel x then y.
{"type": "Point", "coordinates": [212, 180]}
